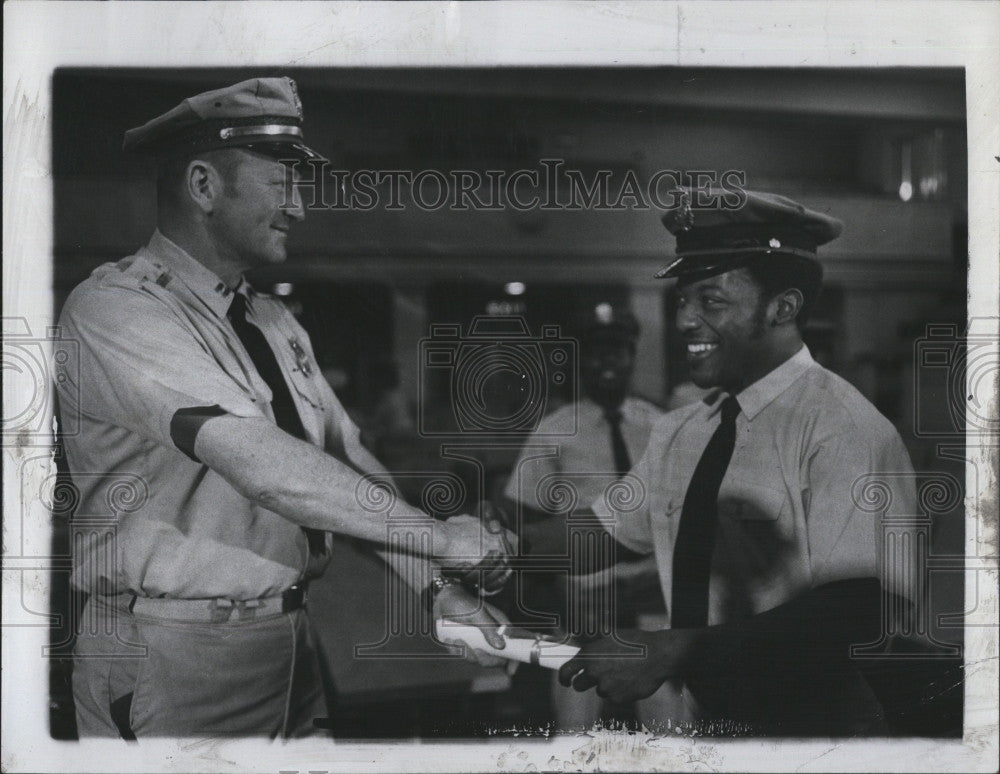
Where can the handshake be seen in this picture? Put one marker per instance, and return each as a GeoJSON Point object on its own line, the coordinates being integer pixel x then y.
{"type": "Point", "coordinates": [474, 554]}
{"type": "Point", "coordinates": [477, 550]}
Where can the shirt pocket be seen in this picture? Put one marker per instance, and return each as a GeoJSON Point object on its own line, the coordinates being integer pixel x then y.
{"type": "Point", "coordinates": [309, 404]}
{"type": "Point", "coordinates": [301, 370]}
{"type": "Point", "coordinates": [666, 511]}
{"type": "Point", "coordinates": [306, 389]}
{"type": "Point", "coordinates": [751, 501]}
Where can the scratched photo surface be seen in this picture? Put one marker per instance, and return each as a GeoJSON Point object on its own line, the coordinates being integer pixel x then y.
{"type": "Point", "coordinates": [472, 237]}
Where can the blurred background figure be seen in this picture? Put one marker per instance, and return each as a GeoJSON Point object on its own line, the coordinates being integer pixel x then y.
{"type": "Point", "coordinates": [612, 428]}
{"type": "Point", "coordinates": [388, 414]}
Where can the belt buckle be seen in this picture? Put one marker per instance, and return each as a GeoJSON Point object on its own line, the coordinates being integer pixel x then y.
{"type": "Point", "coordinates": [247, 609]}
{"type": "Point", "coordinates": [221, 609]}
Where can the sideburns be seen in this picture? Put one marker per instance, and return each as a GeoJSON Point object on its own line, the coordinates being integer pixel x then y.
{"type": "Point", "coordinates": [759, 323]}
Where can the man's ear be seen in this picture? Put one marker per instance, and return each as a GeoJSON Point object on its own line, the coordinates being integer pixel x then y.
{"type": "Point", "coordinates": [787, 306]}
{"type": "Point", "coordinates": [203, 184]}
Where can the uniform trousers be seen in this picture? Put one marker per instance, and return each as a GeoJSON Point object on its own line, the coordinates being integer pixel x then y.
{"type": "Point", "coordinates": [147, 667]}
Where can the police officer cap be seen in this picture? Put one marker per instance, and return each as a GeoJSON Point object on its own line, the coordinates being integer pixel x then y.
{"type": "Point", "coordinates": [261, 114]}
{"type": "Point", "coordinates": [608, 322]}
{"type": "Point", "coordinates": [713, 238]}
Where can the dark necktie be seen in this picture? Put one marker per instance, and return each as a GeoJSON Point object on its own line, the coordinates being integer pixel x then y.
{"type": "Point", "coordinates": [286, 415]}
{"type": "Point", "coordinates": [622, 462]}
{"type": "Point", "coordinates": [696, 533]}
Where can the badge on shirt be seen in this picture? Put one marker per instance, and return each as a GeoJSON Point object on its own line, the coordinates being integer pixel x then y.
{"type": "Point", "coordinates": [301, 358]}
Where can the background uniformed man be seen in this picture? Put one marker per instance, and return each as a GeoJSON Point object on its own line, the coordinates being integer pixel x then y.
{"type": "Point", "coordinates": [208, 391]}
{"type": "Point", "coordinates": [769, 567]}
{"type": "Point", "coordinates": [599, 437]}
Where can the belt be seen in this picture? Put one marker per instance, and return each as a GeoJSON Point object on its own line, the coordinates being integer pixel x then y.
{"type": "Point", "coordinates": [219, 609]}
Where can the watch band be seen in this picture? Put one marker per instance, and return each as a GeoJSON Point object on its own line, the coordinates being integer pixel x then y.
{"type": "Point", "coordinates": [437, 584]}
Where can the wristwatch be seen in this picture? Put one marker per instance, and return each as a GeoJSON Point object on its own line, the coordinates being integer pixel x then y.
{"type": "Point", "coordinates": [437, 584]}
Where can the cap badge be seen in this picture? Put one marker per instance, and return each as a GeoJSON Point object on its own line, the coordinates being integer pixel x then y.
{"type": "Point", "coordinates": [603, 313]}
{"type": "Point", "coordinates": [774, 243]}
{"type": "Point", "coordinates": [686, 215]}
{"type": "Point", "coordinates": [295, 97]}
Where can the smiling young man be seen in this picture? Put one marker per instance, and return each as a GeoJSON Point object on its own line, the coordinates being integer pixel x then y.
{"type": "Point", "coordinates": [206, 392]}
{"type": "Point", "coordinates": [769, 563]}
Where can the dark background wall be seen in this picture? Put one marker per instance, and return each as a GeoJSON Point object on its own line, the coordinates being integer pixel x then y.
{"type": "Point", "coordinates": [835, 140]}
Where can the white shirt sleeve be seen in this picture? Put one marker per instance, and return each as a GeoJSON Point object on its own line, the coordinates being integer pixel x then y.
{"type": "Point", "coordinates": [623, 508]}
{"type": "Point", "coordinates": [855, 487]}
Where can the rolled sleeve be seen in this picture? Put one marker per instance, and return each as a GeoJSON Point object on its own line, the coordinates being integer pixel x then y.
{"type": "Point", "coordinates": [140, 364]}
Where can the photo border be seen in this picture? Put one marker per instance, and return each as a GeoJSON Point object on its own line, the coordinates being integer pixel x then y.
{"type": "Point", "coordinates": [41, 36]}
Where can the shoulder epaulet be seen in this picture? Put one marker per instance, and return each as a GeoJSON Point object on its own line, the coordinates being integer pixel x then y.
{"type": "Point", "coordinates": [143, 269]}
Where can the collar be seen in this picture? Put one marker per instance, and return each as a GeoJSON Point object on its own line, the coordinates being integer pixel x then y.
{"type": "Point", "coordinates": [244, 288]}
{"type": "Point", "coordinates": [596, 411]}
{"type": "Point", "coordinates": [204, 285]}
{"type": "Point", "coordinates": [754, 398]}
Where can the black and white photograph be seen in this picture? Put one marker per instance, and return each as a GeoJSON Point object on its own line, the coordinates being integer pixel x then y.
{"type": "Point", "coordinates": [500, 387]}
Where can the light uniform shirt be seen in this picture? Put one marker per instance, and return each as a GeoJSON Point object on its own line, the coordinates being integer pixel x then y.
{"type": "Point", "coordinates": [154, 338]}
{"type": "Point", "coordinates": [582, 457]}
{"type": "Point", "coordinates": [571, 450]}
{"type": "Point", "coordinates": [789, 517]}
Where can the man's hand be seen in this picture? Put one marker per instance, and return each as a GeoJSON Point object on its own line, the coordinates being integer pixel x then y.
{"type": "Point", "coordinates": [621, 674]}
{"type": "Point", "coordinates": [477, 551]}
{"type": "Point", "coordinates": [457, 604]}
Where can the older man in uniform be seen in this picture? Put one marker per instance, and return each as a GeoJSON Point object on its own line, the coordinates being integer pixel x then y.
{"type": "Point", "coordinates": [208, 392]}
{"type": "Point", "coordinates": [599, 438]}
{"type": "Point", "coordinates": [769, 565]}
